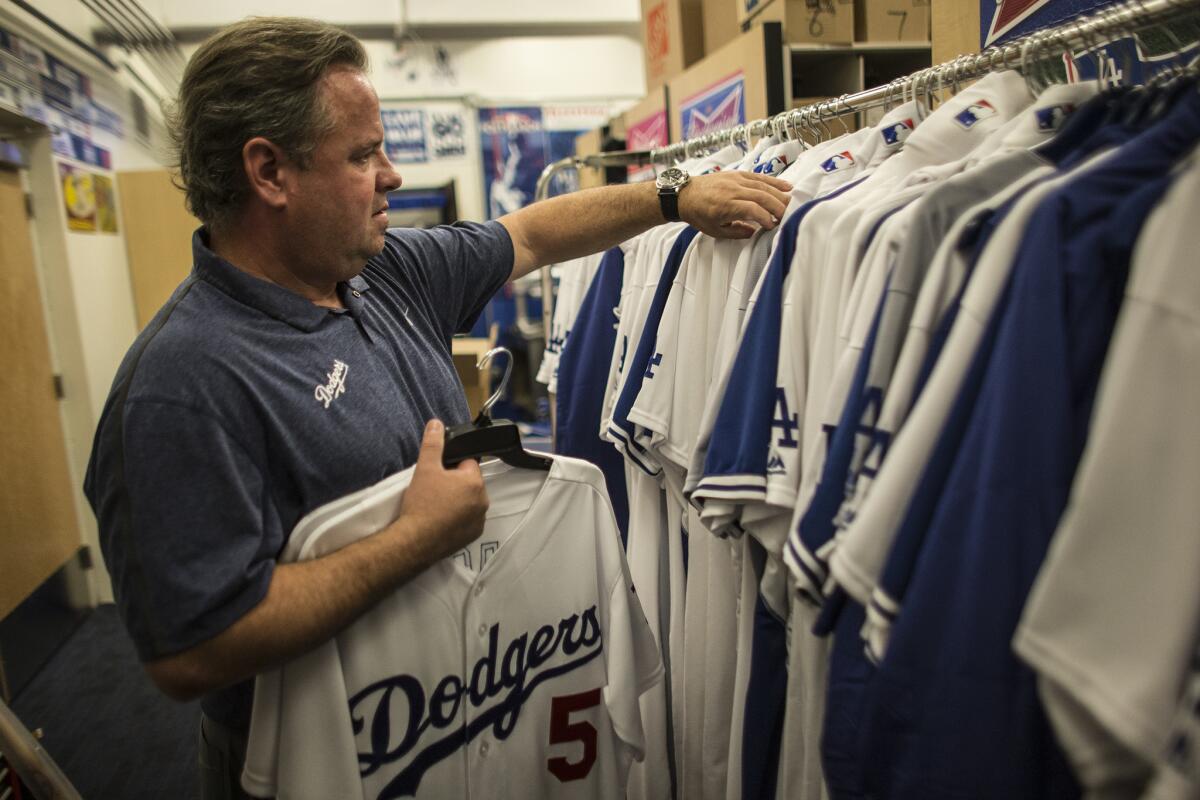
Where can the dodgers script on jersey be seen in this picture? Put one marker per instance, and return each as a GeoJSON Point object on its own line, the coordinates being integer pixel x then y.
{"type": "Point", "coordinates": [512, 669]}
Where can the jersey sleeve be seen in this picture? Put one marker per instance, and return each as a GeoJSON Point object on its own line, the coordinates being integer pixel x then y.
{"type": "Point", "coordinates": [456, 268]}
{"type": "Point", "coordinates": [633, 663]}
{"type": "Point", "coordinates": [187, 528]}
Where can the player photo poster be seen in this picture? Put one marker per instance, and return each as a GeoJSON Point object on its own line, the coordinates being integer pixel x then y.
{"type": "Point", "coordinates": [517, 143]}
{"type": "Point", "coordinates": [513, 144]}
{"type": "Point", "coordinates": [720, 106]}
{"type": "Point", "coordinates": [404, 135]}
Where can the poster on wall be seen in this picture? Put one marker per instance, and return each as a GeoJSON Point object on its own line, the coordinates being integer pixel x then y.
{"type": "Point", "coordinates": [720, 106]}
{"type": "Point", "coordinates": [404, 135]}
{"type": "Point", "coordinates": [517, 143]}
{"type": "Point", "coordinates": [646, 134]}
{"type": "Point", "coordinates": [106, 204]}
{"type": "Point", "coordinates": [448, 134]}
{"type": "Point", "coordinates": [513, 146]}
{"type": "Point", "coordinates": [1128, 60]}
{"type": "Point", "coordinates": [79, 198]}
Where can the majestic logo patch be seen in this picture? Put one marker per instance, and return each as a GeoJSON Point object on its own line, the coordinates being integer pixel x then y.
{"type": "Point", "coordinates": [974, 113]}
{"type": "Point", "coordinates": [775, 465]}
{"type": "Point", "coordinates": [1051, 117]}
{"type": "Point", "coordinates": [896, 133]}
{"type": "Point", "coordinates": [392, 716]}
{"type": "Point", "coordinates": [842, 160]}
{"type": "Point", "coordinates": [335, 384]}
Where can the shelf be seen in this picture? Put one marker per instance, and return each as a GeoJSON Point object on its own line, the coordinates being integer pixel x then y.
{"type": "Point", "coordinates": [809, 48]}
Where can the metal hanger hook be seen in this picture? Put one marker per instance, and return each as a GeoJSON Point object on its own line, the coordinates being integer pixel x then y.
{"type": "Point", "coordinates": [484, 361]}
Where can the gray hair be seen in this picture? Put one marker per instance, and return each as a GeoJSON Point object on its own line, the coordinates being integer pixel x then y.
{"type": "Point", "coordinates": [257, 77]}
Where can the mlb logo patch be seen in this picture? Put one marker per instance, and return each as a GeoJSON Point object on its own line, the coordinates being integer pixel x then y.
{"type": "Point", "coordinates": [772, 166]}
{"type": "Point", "coordinates": [974, 113]}
{"type": "Point", "coordinates": [838, 161]}
{"type": "Point", "coordinates": [896, 134]}
{"type": "Point", "coordinates": [1051, 117]}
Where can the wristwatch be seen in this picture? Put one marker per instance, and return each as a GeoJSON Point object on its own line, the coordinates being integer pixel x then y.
{"type": "Point", "coordinates": [670, 183]}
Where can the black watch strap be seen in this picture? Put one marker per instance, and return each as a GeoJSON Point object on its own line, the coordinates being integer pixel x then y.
{"type": "Point", "coordinates": [668, 200]}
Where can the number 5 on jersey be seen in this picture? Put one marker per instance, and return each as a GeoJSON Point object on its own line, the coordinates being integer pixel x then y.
{"type": "Point", "coordinates": [563, 730]}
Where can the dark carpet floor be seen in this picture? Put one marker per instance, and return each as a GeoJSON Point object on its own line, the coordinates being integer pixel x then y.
{"type": "Point", "coordinates": [113, 734]}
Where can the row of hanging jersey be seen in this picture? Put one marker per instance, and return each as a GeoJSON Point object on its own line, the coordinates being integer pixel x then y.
{"type": "Point", "coordinates": [511, 669]}
{"type": "Point", "coordinates": [765, 382]}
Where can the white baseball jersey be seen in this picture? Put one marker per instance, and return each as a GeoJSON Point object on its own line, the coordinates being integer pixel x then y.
{"type": "Point", "coordinates": [901, 347]}
{"type": "Point", "coordinates": [1112, 621]}
{"type": "Point", "coordinates": [574, 279]}
{"type": "Point", "coordinates": [1029, 128]}
{"type": "Point", "coordinates": [497, 672]}
{"type": "Point", "coordinates": [869, 536]}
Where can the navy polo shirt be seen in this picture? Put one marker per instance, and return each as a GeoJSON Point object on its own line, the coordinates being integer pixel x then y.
{"type": "Point", "coordinates": [243, 406]}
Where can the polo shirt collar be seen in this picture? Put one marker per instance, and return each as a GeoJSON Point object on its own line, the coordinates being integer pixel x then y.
{"type": "Point", "coordinates": [272, 300]}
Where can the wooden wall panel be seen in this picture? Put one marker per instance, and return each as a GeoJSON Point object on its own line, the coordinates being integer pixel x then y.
{"type": "Point", "coordinates": [38, 528]}
{"type": "Point", "coordinates": [158, 237]}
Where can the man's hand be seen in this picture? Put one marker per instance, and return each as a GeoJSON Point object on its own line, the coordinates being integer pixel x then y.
{"type": "Point", "coordinates": [443, 509]}
{"type": "Point", "coordinates": [733, 205]}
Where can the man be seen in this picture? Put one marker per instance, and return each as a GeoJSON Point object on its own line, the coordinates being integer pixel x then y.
{"type": "Point", "coordinates": [299, 361]}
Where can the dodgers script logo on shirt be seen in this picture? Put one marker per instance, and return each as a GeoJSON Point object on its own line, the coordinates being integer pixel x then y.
{"type": "Point", "coordinates": [335, 385]}
{"type": "Point", "coordinates": [398, 711]}
{"type": "Point", "coordinates": [974, 113]}
{"type": "Point", "coordinates": [1051, 117]}
{"type": "Point", "coordinates": [838, 161]}
{"type": "Point", "coordinates": [896, 133]}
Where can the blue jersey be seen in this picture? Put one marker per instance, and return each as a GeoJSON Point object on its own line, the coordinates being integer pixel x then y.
{"type": "Point", "coordinates": [952, 712]}
{"type": "Point", "coordinates": [735, 467]}
{"type": "Point", "coordinates": [641, 367]}
{"type": "Point", "coordinates": [582, 378]}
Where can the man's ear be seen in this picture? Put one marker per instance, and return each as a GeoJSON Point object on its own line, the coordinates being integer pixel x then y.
{"type": "Point", "coordinates": [267, 171]}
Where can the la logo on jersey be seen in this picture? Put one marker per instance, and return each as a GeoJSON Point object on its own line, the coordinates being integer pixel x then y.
{"type": "Point", "coordinates": [896, 133]}
{"type": "Point", "coordinates": [975, 113]}
{"type": "Point", "coordinates": [1051, 117]}
{"type": "Point", "coordinates": [842, 160]}
{"type": "Point", "coordinates": [335, 384]}
{"type": "Point", "coordinates": [393, 716]}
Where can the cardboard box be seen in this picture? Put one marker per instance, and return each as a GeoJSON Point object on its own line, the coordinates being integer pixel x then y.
{"type": "Point", "coordinates": [822, 21]}
{"type": "Point", "coordinates": [720, 24]}
{"type": "Point", "coordinates": [892, 21]}
{"type": "Point", "coordinates": [672, 38]}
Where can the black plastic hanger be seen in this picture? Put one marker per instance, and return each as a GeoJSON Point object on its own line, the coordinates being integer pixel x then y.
{"type": "Point", "coordinates": [485, 437]}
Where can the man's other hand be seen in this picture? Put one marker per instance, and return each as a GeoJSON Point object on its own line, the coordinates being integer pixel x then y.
{"type": "Point", "coordinates": [733, 205]}
{"type": "Point", "coordinates": [443, 508]}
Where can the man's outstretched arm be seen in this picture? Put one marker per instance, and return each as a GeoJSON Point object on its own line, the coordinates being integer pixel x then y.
{"type": "Point", "coordinates": [727, 205]}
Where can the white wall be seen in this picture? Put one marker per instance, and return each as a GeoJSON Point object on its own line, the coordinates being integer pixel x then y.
{"type": "Point", "coordinates": [176, 14]}
{"type": "Point", "coordinates": [523, 68]}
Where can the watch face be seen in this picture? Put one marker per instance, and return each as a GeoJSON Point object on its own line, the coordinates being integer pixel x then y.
{"type": "Point", "coordinates": [672, 178]}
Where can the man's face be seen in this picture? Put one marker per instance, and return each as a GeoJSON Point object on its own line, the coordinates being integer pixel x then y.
{"type": "Point", "coordinates": [337, 207]}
